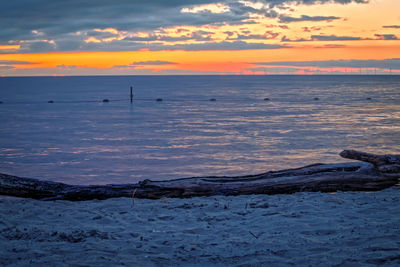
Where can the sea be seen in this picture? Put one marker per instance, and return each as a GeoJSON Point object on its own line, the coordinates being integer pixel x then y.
{"type": "Point", "coordinates": [64, 129]}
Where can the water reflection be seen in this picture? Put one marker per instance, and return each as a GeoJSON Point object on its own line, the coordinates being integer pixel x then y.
{"type": "Point", "coordinates": [120, 142]}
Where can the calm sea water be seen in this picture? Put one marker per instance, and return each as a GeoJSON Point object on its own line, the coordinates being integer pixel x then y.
{"type": "Point", "coordinates": [79, 139]}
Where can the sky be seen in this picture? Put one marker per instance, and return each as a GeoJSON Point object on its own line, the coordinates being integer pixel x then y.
{"type": "Point", "coordinates": [195, 37]}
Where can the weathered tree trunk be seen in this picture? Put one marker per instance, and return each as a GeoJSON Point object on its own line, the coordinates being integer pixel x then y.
{"type": "Point", "coordinates": [387, 164]}
{"type": "Point", "coordinates": [354, 176]}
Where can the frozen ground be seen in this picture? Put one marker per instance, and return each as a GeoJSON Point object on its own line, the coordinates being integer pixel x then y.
{"type": "Point", "coordinates": [303, 229]}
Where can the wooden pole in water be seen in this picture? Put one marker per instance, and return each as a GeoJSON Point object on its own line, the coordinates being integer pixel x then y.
{"type": "Point", "coordinates": [131, 94]}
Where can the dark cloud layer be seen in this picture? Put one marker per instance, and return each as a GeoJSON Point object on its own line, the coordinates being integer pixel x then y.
{"type": "Point", "coordinates": [334, 38]}
{"type": "Point", "coordinates": [266, 36]}
{"type": "Point", "coordinates": [14, 62]}
{"type": "Point", "coordinates": [61, 25]}
{"type": "Point", "coordinates": [153, 63]}
{"type": "Point", "coordinates": [391, 26]}
{"type": "Point", "coordinates": [236, 45]}
{"type": "Point", "coordinates": [386, 37]}
{"type": "Point", "coordinates": [194, 36]}
{"type": "Point", "coordinates": [288, 19]}
{"type": "Point", "coordinates": [323, 38]}
{"type": "Point", "coordinates": [393, 63]}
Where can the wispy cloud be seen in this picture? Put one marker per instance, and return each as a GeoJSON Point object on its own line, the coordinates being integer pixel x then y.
{"type": "Point", "coordinates": [331, 38]}
{"type": "Point", "coordinates": [386, 37]}
{"type": "Point", "coordinates": [334, 38]}
{"type": "Point", "coordinates": [6, 67]}
{"type": "Point", "coordinates": [268, 35]}
{"type": "Point", "coordinates": [11, 64]}
{"type": "Point", "coordinates": [322, 38]}
{"type": "Point", "coordinates": [391, 27]}
{"type": "Point", "coordinates": [236, 45]}
{"type": "Point", "coordinates": [393, 63]}
{"type": "Point", "coordinates": [152, 62]}
{"type": "Point", "coordinates": [14, 62]}
{"type": "Point", "coordinates": [149, 64]}
{"type": "Point", "coordinates": [288, 19]}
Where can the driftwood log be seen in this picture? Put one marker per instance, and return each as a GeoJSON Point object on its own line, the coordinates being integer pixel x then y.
{"type": "Point", "coordinates": [375, 172]}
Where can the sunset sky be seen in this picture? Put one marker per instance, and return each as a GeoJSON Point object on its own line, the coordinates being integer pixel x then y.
{"type": "Point", "coordinates": [160, 37]}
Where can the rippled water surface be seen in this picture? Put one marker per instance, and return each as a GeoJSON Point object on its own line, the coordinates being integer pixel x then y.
{"type": "Point", "coordinates": [80, 139]}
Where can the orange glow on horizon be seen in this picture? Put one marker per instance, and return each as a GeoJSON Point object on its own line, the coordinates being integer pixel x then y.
{"type": "Point", "coordinates": [240, 61]}
{"type": "Point", "coordinates": [298, 32]}
{"type": "Point", "coordinates": [216, 66]}
{"type": "Point", "coordinates": [213, 60]}
{"type": "Point", "coordinates": [10, 47]}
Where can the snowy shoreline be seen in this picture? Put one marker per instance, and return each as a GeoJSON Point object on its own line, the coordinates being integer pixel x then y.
{"type": "Point", "coordinates": [302, 229]}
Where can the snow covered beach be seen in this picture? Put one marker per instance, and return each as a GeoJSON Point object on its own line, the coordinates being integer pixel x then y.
{"type": "Point", "coordinates": [302, 229]}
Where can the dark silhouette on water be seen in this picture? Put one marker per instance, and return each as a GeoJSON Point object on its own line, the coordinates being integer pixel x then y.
{"type": "Point", "coordinates": [131, 94]}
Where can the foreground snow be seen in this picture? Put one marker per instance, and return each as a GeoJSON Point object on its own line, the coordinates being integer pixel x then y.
{"type": "Point", "coordinates": [301, 229]}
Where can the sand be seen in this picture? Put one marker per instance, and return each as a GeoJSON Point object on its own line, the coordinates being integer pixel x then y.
{"type": "Point", "coordinates": [302, 229]}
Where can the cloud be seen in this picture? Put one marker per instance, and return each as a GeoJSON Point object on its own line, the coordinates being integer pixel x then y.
{"type": "Point", "coordinates": [14, 62]}
{"type": "Point", "coordinates": [90, 71]}
{"type": "Point", "coordinates": [393, 63]}
{"type": "Point", "coordinates": [38, 46]}
{"type": "Point", "coordinates": [331, 38]}
{"type": "Point", "coordinates": [139, 64]}
{"type": "Point", "coordinates": [275, 3]}
{"type": "Point", "coordinates": [391, 27]}
{"type": "Point", "coordinates": [287, 19]}
{"type": "Point", "coordinates": [386, 37]}
{"type": "Point", "coordinates": [331, 46]}
{"type": "Point", "coordinates": [66, 67]}
{"type": "Point", "coordinates": [322, 38]}
{"type": "Point", "coordinates": [149, 38]}
{"type": "Point", "coordinates": [335, 1]}
{"type": "Point", "coordinates": [155, 62]}
{"type": "Point", "coordinates": [268, 35]}
{"type": "Point", "coordinates": [213, 8]}
{"type": "Point", "coordinates": [310, 29]}
{"type": "Point", "coordinates": [285, 39]}
{"type": "Point", "coordinates": [195, 36]}
{"type": "Point", "coordinates": [236, 45]}
{"type": "Point", "coordinates": [7, 67]}
{"type": "Point", "coordinates": [203, 46]}
{"type": "Point", "coordinates": [66, 25]}
{"type": "Point", "coordinates": [334, 38]}
{"type": "Point", "coordinates": [10, 64]}
{"type": "Point", "coordinates": [61, 17]}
